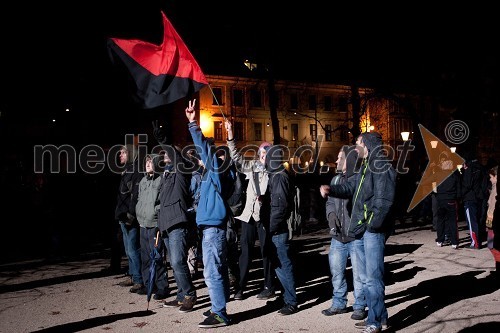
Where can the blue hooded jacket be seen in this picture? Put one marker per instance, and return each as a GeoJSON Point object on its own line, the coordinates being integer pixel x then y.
{"type": "Point", "coordinates": [211, 209]}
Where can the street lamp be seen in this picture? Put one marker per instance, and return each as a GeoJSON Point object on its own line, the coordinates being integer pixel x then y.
{"type": "Point", "coordinates": [405, 136]}
{"type": "Point", "coordinates": [453, 149]}
{"type": "Point", "coordinates": [434, 143]}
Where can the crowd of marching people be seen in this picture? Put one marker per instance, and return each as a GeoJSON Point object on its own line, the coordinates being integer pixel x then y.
{"type": "Point", "coordinates": [189, 216]}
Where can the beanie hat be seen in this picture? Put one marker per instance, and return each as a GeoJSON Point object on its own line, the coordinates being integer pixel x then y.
{"type": "Point", "coordinates": [372, 140]}
{"type": "Point", "coordinates": [264, 146]}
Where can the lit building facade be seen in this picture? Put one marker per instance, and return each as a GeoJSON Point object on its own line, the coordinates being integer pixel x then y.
{"type": "Point", "coordinates": [308, 113]}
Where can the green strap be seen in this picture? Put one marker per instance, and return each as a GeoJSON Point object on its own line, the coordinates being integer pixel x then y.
{"type": "Point", "coordinates": [360, 183]}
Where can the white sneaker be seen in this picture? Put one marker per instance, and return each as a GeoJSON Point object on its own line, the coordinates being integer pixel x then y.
{"type": "Point", "coordinates": [454, 247]}
{"type": "Point", "coordinates": [439, 244]}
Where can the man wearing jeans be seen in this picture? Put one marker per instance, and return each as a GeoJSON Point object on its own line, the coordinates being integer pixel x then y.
{"type": "Point", "coordinates": [278, 201]}
{"type": "Point", "coordinates": [211, 218]}
{"type": "Point", "coordinates": [125, 214]}
{"type": "Point", "coordinates": [344, 244]}
{"type": "Point", "coordinates": [373, 191]}
{"type": "Point", "coordinates": [173, 221]}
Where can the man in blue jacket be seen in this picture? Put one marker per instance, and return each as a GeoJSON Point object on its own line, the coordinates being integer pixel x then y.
{"type": "Point", "coordinates": [211, 218]}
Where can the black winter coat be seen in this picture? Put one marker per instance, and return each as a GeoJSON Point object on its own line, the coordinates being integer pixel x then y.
{"type": "Point", "coordinates": [128, 191]}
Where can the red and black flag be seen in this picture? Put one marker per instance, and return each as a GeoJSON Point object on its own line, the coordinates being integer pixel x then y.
{"type": "Point", "coordinates": [162, 73]}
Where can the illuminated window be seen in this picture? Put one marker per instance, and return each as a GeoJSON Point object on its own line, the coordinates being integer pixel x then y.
{"type": "Point", "coordinates": [295, 131]}
{"type": "Point", "coordinates": [313, 131]}
{"type": "Point", "coordinates": [328, 132]}
{"type": "Point", "coordinates": [218, 130]}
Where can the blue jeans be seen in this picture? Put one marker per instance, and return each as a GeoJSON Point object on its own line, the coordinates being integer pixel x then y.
{"type": "Point", "coordinates": [337, 257]}
{"type": "Point", "coordinates": [131, 242]}
{"type": "Point", "coordinates": [284, 268]}
{"type": "Point", "coordinates": [176, 242]}
{"type": "Point", "coordinates": [374, 287]}
{"type": "Point", "coordinates": [215, 271]}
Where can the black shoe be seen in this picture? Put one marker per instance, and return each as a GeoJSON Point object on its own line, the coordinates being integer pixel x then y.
{"type": "Point", "coordinates": [333, 311]}
{"type": "Point", "coordinates": [213, 320]}
{"type": "Point", "coordinates": [207, 313]}
{"type": "Point", "coordinates": [288, 309]}
{"type": "Point", "coordinates": [359, 314]}
{"type": "Point", "coordinates": [266, 294]}
{"type": "Point", "coordinates": [187, 304]}
{"type": "Point", "coordinates": [160, 296]}
{"type": "Point", "coordinates": [239, 295]}
{"type": "Point", "coordinates": [142, 291]}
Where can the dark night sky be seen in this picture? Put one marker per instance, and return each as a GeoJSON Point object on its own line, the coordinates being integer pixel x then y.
{"type": "Point", "coordinates": [55, 56]}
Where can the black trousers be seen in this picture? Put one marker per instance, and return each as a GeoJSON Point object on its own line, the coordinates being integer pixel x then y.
{"type": "Point", "coordinates": [447, 221]}
{"type": "Point", "coordinates": [249, 231]}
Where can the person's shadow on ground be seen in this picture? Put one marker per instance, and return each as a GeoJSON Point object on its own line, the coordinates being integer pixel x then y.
{"type": "Point", "coordinates": [437, 294]}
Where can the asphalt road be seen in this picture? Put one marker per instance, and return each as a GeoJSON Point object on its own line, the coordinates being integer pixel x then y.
{"type": "Point", "coordinates": [428, 289]}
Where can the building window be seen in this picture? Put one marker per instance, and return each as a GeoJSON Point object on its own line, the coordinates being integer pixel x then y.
{"type": "Point", "coordinates": [295, 132]}
{"type": "Point", "coordinates": [294, 101]}
{"type": "Point", "coordinates": [218, 130]}
{"type": "Point", "coordinates": [257, 131]}
{"type": "Point", "coordinates": [255, 98]}
{"type": "Point", "coordinates": [328, 103]}
{"type": "Point", "coordinates": [237, 97]}
{"type": "Point", "coordinates": [313, 131]}
{"type": "Point", "coordinates": [238, 131]}
{"type": "Point", "coordinates": [343, 102]}
{"type": "Point", "coordinates": [312, 102]}
{"type": "Point", "coordinates": [328, 132]}
{"type": "Point", "coordinates": [217, 97]}
{"type": "Point", "coordinates": [344, 134]}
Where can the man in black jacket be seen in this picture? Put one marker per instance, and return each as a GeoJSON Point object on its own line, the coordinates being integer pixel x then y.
{"type": "Point", "coordinates": [373, 191]}
{"type": "Point", "coordinates": [473, 193]}
{"type": "Point", "coordinates": [125, 214]}
{"type": "Point", "coordinates": [343, 246]}
{"type": "Point", "coordinates": [173, 221]}
{"type": "Point", "coordinates": [447, 194]}
{"type": "Point", "coordinates": [278, 197]}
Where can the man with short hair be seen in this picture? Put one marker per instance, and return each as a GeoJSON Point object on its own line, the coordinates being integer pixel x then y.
{"type": "Point", "coordinates": [211, 218]}
{"type": "Point", "coordinates": [173, 221]}
{"type": "Point", "coordinates": [373, 191]}
{"type": "Point", "coordinates": [344, 244]}
{"type": "Point", "coordinates": [125, 214]}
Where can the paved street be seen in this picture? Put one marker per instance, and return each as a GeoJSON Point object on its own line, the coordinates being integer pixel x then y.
{"type": "Point", "coordinates": [428, 289]}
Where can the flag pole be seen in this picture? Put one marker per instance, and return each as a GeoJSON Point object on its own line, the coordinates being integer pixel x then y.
{"type": "Point", "coordinates": [216, 101]}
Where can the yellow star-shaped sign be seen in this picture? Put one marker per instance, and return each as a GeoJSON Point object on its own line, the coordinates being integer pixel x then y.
{"type": "Point", "coordinates": [438, 153]}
